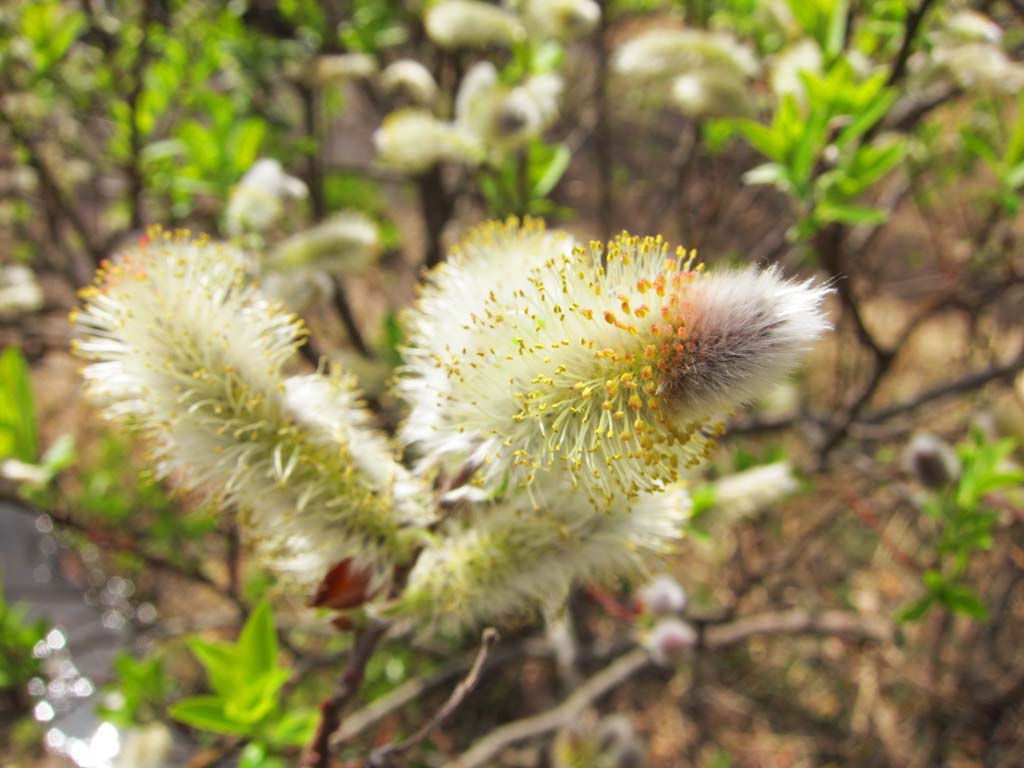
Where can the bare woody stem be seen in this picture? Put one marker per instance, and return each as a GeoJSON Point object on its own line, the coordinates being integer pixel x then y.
{"type": "Point", "coordinates": [317, 754]}
{"type": "Point", "coordinates": [602, 131]}
{"type": "Point", "coordinates": [791, 622]}
{"type": "Point", "coordinates": [436, 207]}
{"type": "Point", "coordinates": [383, 756]}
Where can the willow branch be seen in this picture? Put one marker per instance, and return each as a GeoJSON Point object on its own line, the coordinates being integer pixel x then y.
{"type": "Point", "coordinates": [383, 756]}
{"type": "Point", "coordinates": [317, 754]}
{"type": "Point", "coordinates": [791, 622]}
{"type": "Point", "coordinates": [615, 674]}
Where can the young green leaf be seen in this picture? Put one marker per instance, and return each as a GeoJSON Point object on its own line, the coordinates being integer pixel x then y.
{"type": "Point", "coordinates": [220, 660]}
{"type": "Point", "coordinates": [18, 431]}
{"type": "Point", "coordinates": [257, 645]}
{"type": "Point", "coordinates": [207, 714]}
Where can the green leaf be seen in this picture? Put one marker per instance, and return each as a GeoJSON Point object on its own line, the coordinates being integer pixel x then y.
{"type": "Point", "coordinates": [703, 499]}
{"type": "Point", "coordinates": [246, 140]}
{"type": "Point", "coordinates": [207, 714]}
{"type": "Point", "coordinates": [254, 698]}
{"type": "Point", "coordinates": [916, 610]}
{"type": "Point", "coordinates": [294, 728]}
{"type": "Point", "coordinates": [1014, 177]}
{"type": "Point", "coordinates": [393, 340]}
{"type": "Point", "coordinates": [1014, 154]}
{"type": "Point", "coordinates": [872, 163]}
{"type": "Point", "coordinates": [976, 145]}
{"type": "Point", "coordinates": [964, 600]}
{"type": "Point", "coordinates": [847, 213]}
{"type": "Point", "coordinates": [836, 34]}
{"type": "Point", "coordinates": [866, 119]}
{"type": "Point", "coordinates": [809, 146]}
{"type": "Point", "coordinates": [546, 57]}
{"type": "Point", "coordinates": [762, 138]}
{"type": "Point", "coordinates": [548, 167]}
{"type": "Point", "coordinates": [220, 660]}
{"type": "Point", "coordinates": [18, 431]}
{"type": "Point", "coordinates": [60, 455]}
{"type": "Point", "coordinates": [257, 645]}
{"type": "Point", "coordinates": [255, 755]}
{"type": "Point", "coordinates": [767, 173]}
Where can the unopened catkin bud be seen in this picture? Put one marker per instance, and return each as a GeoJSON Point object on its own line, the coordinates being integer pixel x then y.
{"type": "Point", "coordinates": [471, 24]}
{"type": "Point", "coordinates": [669, 641]}
{"type": "Point", "coordinates": [663, 596]}
{"type": "Point", "coordinates": [931, 460]}
{"type": "Point", "coordinates": [411, 78]}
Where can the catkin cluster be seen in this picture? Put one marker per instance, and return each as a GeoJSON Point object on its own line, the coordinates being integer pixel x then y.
{"type": "Point", "coordinates": [567, 387]}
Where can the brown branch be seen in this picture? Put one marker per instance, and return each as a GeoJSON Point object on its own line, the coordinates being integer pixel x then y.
{"type": "Point", "coordinates": [344, 308]}
{"type": "Point", "coordinates": [955, 387]}
{"type": "Point", "coordinates": [910, 28]}
{"type": "Point", "coordinates": [790, 622]}
{"type": "Point", "coordinates": [602, 128]}
{"type": "Point", "coordinates": [314, 168]}
{"type": "Point", "coordinates": [64, 207]}
{"type": "Point", "coordinates": [383, 756]}
{"type": "Point", "coordinates": [136, 180]}
{"type": "Point", "coordinates": [317, 753]}
{"type": "Point", "coordinates": [797, 622]}
{"type": "Point", "coordinates": [436, 207]}
{"type": "Point", "coordinates": [615, 674]}
{"type": "Point", "coordinates": [680, 163]}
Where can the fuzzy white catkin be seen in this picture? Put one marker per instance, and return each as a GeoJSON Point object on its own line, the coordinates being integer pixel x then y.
{"type": "Point", "coordinates": [343, 66]}
{"type": "Point", "coordinates": [712, 94]}
{"type": "Point", "coordinates": [490, 119]}
{"type": "Point", "coordinates": [471, 24]}
{"type": "Point", "coordinates": [754, 490]}
{"type": "Point", "coordinates": [347, 243]}
{"type": "Point", "coordinates": [559, 19]}
{"type": "Point", "coordinates": [662, 596]}
{"type": "Point", "coordinates": [185, 351]}
{"type": "Point", "coordinates": [980, 66]}
{"type": "Point", "coordinates": [257, 201]}
{"type": "Point", "coordinates": [528, 355]}
{"type": "Point", "coordinates": [413, 140]}
{"type": "Point", "coordinates": [411, 78]}
{"type": "Point", "coordinates": [508, 559]}
{"type": "Point", "coordinates": [669, 641]}
{"type": "Point", "coordinates": [20, 292]}
{"type": "Point", "coordinates": [657, 53]}
{"type": "Point", "coordinates": [500, 117]}
{"type": "Point", "coordinates": [786, 66]}
{"type": "Point", "coordinates": [972, 26]}
{"type": "Point", "coordinates": [931, 460]}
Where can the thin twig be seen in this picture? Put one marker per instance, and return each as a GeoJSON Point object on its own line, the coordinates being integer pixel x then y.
{"type": "Point", "coordinates": [382, 757]}
{"type": "Point", "coordinates": [344, 307]}
{"type": "Point", "coordinates": [615, 674]}
{"type": "Point", "coordinates": [318, 754]}
{"type": "Point", "coordinates": [910, 27]}
{"type": "Point", "coordinates": [798, 622]}
{"type": "Point", "coordinates": [680, 164]}
{"type": "Point", "coordinates": [790, 622]}
{"type": "Point", "coordinates": [136, 180]}
{"type": "Point", "coordinates": [602, 129]}
{"type": "Point", "coordinates": [65, 207]}
{"type": "Point", "coordinates": [436, 207]}
{"type": "Point", "coordinates": [955, 387]}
